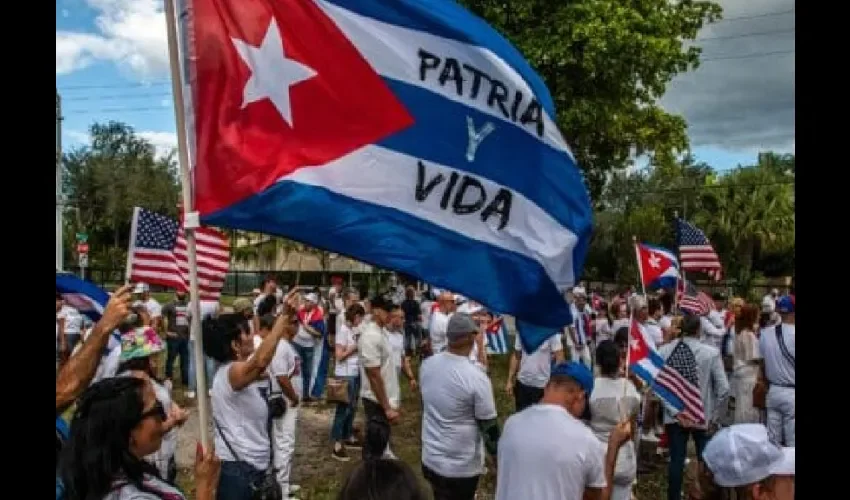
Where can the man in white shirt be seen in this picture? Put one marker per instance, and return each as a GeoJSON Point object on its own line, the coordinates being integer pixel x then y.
{"type": "Point", "coordinates": [712, 329]}
{"type": "Point", "coordinates": [142, 293]}
{"type": "Point", "coordinates": [458, 412]}
{"type": "Point", "coordinates": [547, 453]}
{"type": "Point", "coordinates": [778, 346]}
{"type": "Point", "coordinates": [379, 388]}
{"type": "Point", "coordinates": [440, 321]}
{"type": "Point", "coordinates": [578, 334]}
{"type": "Point", "coordinates": [395, 335]}
{"type": "Point", "coordinates": [534, 369]}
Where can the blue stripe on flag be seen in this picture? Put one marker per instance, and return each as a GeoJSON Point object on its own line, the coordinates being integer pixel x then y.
{"type": "Point", "coordinates": [661, 391]}
{"type": "Point", "coordinates": [433, 137]}
{"type": "Point", "coordinates": [447, 19]}
{"type": "Point", "coordinates": [407, 244]}
{"type": "Point", "coordinates": [70, 285]}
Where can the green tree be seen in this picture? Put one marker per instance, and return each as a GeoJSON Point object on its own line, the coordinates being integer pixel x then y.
{"type": "Point", "coordinates": [105, 179]}
{"type": "Point", "coordinates": [607, 63]}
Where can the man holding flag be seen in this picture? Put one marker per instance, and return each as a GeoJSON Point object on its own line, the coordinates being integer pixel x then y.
{"type": "Point", "coordinates": [689, 379]}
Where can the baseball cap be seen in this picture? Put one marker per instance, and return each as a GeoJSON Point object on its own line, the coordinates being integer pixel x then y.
{"type": "Point", "coordinates": [743, 454]}
{"type": "Point", "coordinates": [311, 297]}
{"type": "Point", "coordinates": [785, 305]}
{"type": "Point", "coordinates": [141, 288]}
{"type": "Point", "coordinates": [579, 291]}
{"type": "Point", "coordinates": [577, 372]}
{"type": "Point", "coordinates": [460, 324]}
{"type": "Point", "coordinates": [242, 305]}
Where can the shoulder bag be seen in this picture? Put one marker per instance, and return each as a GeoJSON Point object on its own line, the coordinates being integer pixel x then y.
{"type": "Point", "coordinates": [265, 487]}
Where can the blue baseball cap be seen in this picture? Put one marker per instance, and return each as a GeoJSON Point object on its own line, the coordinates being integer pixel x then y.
{"type": "Point", "coordinates": [577, 372]}
{"type": "Point", "coordinates": [785, 305]}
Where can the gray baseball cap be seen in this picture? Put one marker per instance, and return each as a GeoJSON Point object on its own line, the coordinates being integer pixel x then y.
{"type": "Point", "coordinates": [460, 324]}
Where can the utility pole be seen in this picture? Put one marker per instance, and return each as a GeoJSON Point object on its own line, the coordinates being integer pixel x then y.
{"type": "Point", "coordinates": [60, 200]}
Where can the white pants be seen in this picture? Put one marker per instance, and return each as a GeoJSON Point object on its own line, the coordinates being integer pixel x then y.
{"type": "Point", "coordinates": [621, 491]}
{"type": "Point", "coordinates": [781, 413]}
{"type": "Point", "coordinates": [578, 355]}
{"type": "Point", "coordinates": [283, 430]}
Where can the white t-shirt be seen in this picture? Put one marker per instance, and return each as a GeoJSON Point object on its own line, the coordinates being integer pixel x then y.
{"type": "Point", "coordinates": [610, 401]}
{"type": "Point", "coordinates": [603, 330]}
{"type": "Point", "coordinates": [547, 454]}
{"type": "Point", "coordinates": [73, 320]}
{"type": "Point", "coordinates": [303, 338]}
{"type": "Point", "coordinates": [375, 351]}
{"type": "Point", "coordinates": [286, 363]}
{"type": "Point", "coordinates": [425, 306]}
{"type": "Point", "coordinates": [350, 366]}
{"type": "Point", "coordinates": [666, 321]}
{"type": "Point", "coordinates": [652, 333]}
{"type": "Point", "coordinates": [153, 308]}
{"type": "Point", "coordinates": [617, 324]}
{"type": "Point", "coordinates": [396, 340]}
{"type": "Point", "coordinates": [437, 329]}
{"type": "Point", "coordinates": [454, 395]}
{"type": "Point", "coordinates": [242, 416]}
{"type": "Point", "coordinates": [535, 368]}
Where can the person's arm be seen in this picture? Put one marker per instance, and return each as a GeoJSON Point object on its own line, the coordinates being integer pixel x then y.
{"type": "Point", "coordinates": [513, 366]}
{"type": "Point", "coordinates": [245, 372]}
{"type": "Point", "coordinates": [63, 341]}
{"type": "Point", "coordinates": [557, 349]}
{"type": "Point", "coordinates": [287, 389]}
{"type": "Point", "coordinates": [720, 385]}
{"type": "Point", "coordinates": [486, 416]}
{"type": "Point", "coordinates": [709, 328]}
{"type": "Point", "coordinates": [408, 371]}
{"type": "Point", "coordinates": [78, 372]}
{"type": "Point", "coordinates": [482, 349]}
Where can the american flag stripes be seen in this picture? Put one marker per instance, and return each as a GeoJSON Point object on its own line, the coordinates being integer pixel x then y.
{"type": "Point", "coordinates": [675, 380]}
{"type": "Point", "coordinates": [696, 252]}
{"type": "Point", "coordinates": [691, 300]}
{"type": "Point", "coordinates": [679, 376]}
{"type": "Point", "coordinates": [158, 254]}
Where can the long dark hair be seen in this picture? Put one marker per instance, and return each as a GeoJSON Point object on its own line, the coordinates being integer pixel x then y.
{"type": "Point", "coordinates": [379, 478]}
{"type": "Point", "coordinates": [219, 334]}
{"type": "Point", "coordinates": [98, 449]}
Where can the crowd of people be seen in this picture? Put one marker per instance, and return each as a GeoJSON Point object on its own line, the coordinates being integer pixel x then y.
{"type": "Point", "coordinates": [581, 415]}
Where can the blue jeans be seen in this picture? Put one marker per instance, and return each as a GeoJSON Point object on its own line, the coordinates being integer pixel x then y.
{"type": "Point", "coordinates": [306, 355]}
{"type": "Point", "coordinates": [209, 364]}
{"type": "Point", "coordinates": [677, 438]}
{"type": "Point", "coordinates": [234, 483]}
{"type": "Point", "coordinates": [177, 347]}
{"type": "Point", "coordinates": [343, 424]}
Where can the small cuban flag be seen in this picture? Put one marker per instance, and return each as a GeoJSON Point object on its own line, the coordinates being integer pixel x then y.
{"type": "Point", "coordinates": [407, 134]}
{"type": "Point", "coordinates": [659, 267]}
{"type": "Point", "coordinates": [497, 336]}
{"type": "Point", "coordinates": [87, 298]}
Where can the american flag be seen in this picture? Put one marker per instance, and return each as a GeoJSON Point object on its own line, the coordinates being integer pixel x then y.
{"type": "Point", "coordinates": [675, 380]}
{"type": "Point", "coordinates": [158, 254]}
{"type": "Point", "coordinates": [691, 300]}
{"type": "Point", "coordinates": [695, 251]}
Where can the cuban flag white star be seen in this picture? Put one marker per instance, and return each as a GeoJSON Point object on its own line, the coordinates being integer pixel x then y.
{"type": "Point", "coordinates": [272, 73]}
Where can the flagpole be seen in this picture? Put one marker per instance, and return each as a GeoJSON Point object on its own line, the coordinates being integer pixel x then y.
{"type": "Point", "coordinates": [681, 268]}
{"type": "Point", "coordinates": [190, 223]}
{"type": "Point", "coordinates": [640, 268]}
{"type": "Point", "coordinates": [133, 228]}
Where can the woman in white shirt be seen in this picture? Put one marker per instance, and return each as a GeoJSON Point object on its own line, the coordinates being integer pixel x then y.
{"type": "Point", "coordinates": [745, 365]}
{"type": "Point", "coordinates": [239, 400]}
{"type": "Point", "coordinates": [613, 399]}
{"type": "Point", "coordinates": [348, 369]}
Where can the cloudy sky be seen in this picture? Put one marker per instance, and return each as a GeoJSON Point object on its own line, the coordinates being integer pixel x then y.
{"type": "Point", "coordinates": [111, 64]}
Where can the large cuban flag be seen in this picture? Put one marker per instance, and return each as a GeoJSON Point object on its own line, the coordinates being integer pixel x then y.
{"type": "Point", "coordinates": [659, 267]}
{"type": "Point", "coordinates": [407, 134]}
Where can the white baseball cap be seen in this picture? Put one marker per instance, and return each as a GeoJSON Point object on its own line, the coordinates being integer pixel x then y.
{"type": "Point", "coordinates": [141, 288]}
{"type": "Point", "coordinates": [743, 454]}
{"type": "Point", "coordinates": [311, 297]}
{"type": "Point", "coordinates": [579, 291]}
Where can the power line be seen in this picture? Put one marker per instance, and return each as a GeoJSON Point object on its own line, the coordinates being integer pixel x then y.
{"type": "Point", "coordinates": [745, 35]}
{"type": "Point", "coordinates": [754, 16]}
{"type": "Point", "coordinates": [748, 56]}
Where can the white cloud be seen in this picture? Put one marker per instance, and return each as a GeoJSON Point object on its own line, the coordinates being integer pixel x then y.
{"type": "Point", "coordinates": [130, 33]}
{"type": "Point", "coordinates": [163, 142]}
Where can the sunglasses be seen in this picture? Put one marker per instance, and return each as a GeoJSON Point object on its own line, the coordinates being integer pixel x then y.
{"type": "Point", "coordinates": [157, 411]}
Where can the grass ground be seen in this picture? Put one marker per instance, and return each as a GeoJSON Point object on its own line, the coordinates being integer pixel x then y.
{"type": "Point", "coordinates": [321, 477]}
